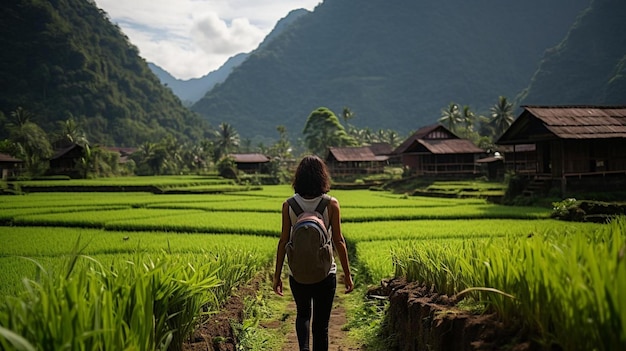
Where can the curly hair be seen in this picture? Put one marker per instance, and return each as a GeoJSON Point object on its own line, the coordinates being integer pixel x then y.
{"type": "Point", "coordinates": [311, 178]}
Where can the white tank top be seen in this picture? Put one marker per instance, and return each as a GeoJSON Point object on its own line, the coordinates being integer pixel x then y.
{"type": "Point", "coordinates": [309, 205]}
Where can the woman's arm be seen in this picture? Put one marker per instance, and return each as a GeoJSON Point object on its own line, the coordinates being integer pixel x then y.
{"type": "Point", "coordinates": [280, 250]}
{"type": "Point", "coordinates": [340, 243]}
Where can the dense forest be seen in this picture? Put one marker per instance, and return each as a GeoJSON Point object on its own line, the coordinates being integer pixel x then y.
{"type": "Point", "coordinates": [589, 66]}
{"type": "Point", "coordinates": [393, 66]}
{"type": "Point", "coordinates": [64, 60]}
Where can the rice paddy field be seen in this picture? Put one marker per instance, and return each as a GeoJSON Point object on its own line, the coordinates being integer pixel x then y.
{"type": "Point", "coordinates": [125, 255]}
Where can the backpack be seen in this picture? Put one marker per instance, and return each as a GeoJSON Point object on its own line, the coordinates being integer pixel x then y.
{"type": "Point", "coordinates": [310, 249]}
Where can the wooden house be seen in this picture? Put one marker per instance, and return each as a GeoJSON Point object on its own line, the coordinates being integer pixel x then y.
{"type": "Point", "coordinates": [65, 160]}
{"type": "Point", "coordinates": [578, 147]}
{"type": "Point", "coordinates": [345, 161]}
{"type": "Point", "coordinates": [8, 165]}
{"type": "Point", "coordinates": [124, 152]}
{"type": "Point", "coordinates": [519, 159]}
{"type": "Point", "coordinates": [251, 163]}
{"type": "Point", "coordinates": [434, 151]}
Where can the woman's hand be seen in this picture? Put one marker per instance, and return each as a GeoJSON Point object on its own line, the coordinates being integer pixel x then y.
{"type": "Point", "coordinates": [347, 281]}
{"type": "Point", "coordinates": [278, 286]}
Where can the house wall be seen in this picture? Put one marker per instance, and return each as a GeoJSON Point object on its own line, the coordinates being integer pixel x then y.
{"type": "Point", "coordinates": [455, 165]}
{"type": "Point", "coordinates": [584, 157]}
{"type": "Point", "coordinates": [355, 167]}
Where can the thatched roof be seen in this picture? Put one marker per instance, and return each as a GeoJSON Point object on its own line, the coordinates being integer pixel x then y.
{"type": "Point", "coordinates": [250, 158]}
{"type": "Point", "coordinates": [541, 123]}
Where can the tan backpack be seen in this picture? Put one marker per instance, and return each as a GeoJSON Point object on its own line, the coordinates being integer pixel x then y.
{"type": "Point", "coordinates": [310, 249]}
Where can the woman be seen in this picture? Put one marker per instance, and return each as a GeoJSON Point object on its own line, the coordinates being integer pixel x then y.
{"type": "Point", "coordinates": [310, 183]}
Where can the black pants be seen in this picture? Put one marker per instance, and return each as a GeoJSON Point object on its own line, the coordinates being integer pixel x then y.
{"type": "Point", "coordinates": [321, 295]}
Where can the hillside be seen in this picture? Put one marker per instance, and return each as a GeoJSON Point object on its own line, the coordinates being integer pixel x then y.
{"type": "Point", "coordinates": [589, 66]}
{"type": "Point", "coordinates": [192, 90]}
{"type": "Point", "coordinates": [64, 58]}
{"type": "Point", "coordinates": [394, 66]}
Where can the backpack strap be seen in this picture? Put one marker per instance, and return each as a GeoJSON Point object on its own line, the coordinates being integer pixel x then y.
{"type": "Point", "coordinates": [321, 206]}
{"type": "Point", "coordinates": [295, 206]}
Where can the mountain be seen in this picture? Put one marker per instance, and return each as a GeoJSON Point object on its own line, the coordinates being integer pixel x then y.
{"type": "Point", "coordinates": [64, 58]}
{"type": "Point", "coordinates": [589, 66]}
{"type": "Point", "coordinates": [191, 90]}
{"type": "Point", "coordinates": [395, 65]}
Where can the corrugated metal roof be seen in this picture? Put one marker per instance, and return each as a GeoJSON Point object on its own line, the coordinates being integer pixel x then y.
{"type": "Point", "coordinates": [450, 146]}
{"type": "Point", "coordinates": [250, 158]}
{"type": "Point", "coordinates": [346, 154]}
{"type": "Point", "coordinates": [381, 148]}
{"type": "Point", "coordinates": [62, 152]}
{"type": "Point", "coordinates": [422, 133]}
{"type": "Point", "coordinates": [9, 158]}
{"type": "Point", "coordinates": [582, 122]}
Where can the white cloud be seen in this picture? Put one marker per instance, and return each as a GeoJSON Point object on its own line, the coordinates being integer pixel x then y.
{"type": "Point", "coordinates": [190, 38]}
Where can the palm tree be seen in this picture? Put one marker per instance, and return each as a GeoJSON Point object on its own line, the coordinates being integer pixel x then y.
{"type": "Point", "coordinates": [501, 116]}
{"type": "Point", "coordinates": [227, 140]}
{"type": "Point", "coordinates": [347, 114]}
{"type": "Point", "coordinates": [450, 116]}
{"type": "Point", "coordinates": [30, 141]}
{"type": "Point", "coordinates": [468, 117]}
{"type": "Point", "coordinates": [71, 132]}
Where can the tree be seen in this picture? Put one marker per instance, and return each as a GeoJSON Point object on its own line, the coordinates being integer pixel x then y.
{"type": "Point", "coordinates": [71, 132]}
{"type": "Point", "coordinates": [501, 116]}
{"type": "Point", "coordinates": [282, 148]}
{"type": "Point", "coordinates": [450, 116]}
{"type": "Point", "coordinates": [323, 130]}
{"type": "Point", "coordinates": [347, 115]}
{"type": "Point", "coordinates": [226, 141]}
{"type": "Point", "coordinates": [30, 142]}
{"type": "Point", "coordinates": [468, 117]}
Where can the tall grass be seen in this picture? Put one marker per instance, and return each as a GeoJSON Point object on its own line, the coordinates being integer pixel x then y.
{"type": "Point", "coordinates": [147, 302]}
{"type": "Point", "coordinates": [566, 287]}
{"type": "Point", "coordinates": [140, 304]}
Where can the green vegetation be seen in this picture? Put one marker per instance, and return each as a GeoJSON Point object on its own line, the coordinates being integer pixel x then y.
{"type": "Point", "coordinates": [225, 239]}
{"type": "Point", "coordinates": [372, 59]}
{"type": "Point", "coordinates": [81, 67]}
{"type": "Point", "coordinates": [602, 80]}
{"type": "Point", "coordinates": [563, 286]}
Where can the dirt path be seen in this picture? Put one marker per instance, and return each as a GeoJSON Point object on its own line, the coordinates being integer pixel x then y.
{"type": "Point", "coordinates": [336, 335]}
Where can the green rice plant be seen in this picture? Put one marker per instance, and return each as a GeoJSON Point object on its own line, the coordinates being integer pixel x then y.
{"type": "Point", "coordinates": [565, 287]}
{"type": "Point", "coordinates": [145, 301]}
{"type": "Point", "coordinates": [375, 260]}
{"type": "Point", "coordinates": [51, 246]}
{"type": "Point", "coordinates": [455, 229]}
{"type": "Point", "coordinates": [443, 212]}
{"type": "Point", "coordinates": [159, 181]}
{"type": "Point", "coordinates": [240, 205]}
{"type": "Point", "coordinates": [142, 305]}
{"type": "Point", "coordinates": [255, 223]}
{"type": "Point", "coordinates": [96, 219]}
{"type": "Point", "coordinates": [372, 199]}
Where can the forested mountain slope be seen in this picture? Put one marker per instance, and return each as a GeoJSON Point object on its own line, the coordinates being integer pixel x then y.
{"type": "Point", "coordinates": [64, 58]}
{"type": "Point", "coordinates": [191, 90]}
{"type": "Point", "coordinates": [394, 64]}
{"type": "Point", "coordinates": [589, 66]}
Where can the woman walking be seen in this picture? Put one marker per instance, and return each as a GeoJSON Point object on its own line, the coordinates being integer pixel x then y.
{"type": "Point", "coordinates": [311, 183]}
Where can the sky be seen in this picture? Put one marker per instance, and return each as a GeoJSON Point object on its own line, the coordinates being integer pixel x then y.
{"type": "Point", "coordinates": [191, 38]}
